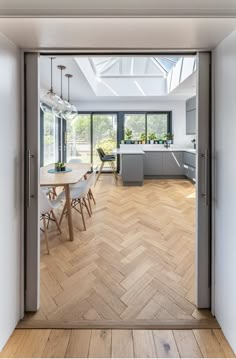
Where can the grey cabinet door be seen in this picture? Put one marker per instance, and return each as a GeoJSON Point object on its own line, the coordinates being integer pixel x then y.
{"type": "Point", "coordinates": [191, 122]}
{"type": "Point", "coordinates": [190, 159]}
{"type": "Point", "coordinates": [173, 163]}
{"type": "Point", "coordinates": [132, 167]}
{"type": "Point", "coordinates": [153, 164]}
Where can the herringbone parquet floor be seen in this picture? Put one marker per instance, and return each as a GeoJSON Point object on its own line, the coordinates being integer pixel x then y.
{"type": "Point", "coordinates": [134, 262]}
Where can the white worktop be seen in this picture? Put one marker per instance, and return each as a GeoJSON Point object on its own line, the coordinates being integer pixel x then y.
{"type": "Point", "coordinates": [141, 149]}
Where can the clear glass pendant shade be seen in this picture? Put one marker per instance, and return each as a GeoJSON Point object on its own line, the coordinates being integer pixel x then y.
{"type": "Point", "coordinates": [66, 111]}
{"type": "Point", "coordinates": [73, 114]}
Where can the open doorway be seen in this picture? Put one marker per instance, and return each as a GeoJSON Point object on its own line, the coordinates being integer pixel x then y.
{"type": "Point", "coordinates": [131, 256]}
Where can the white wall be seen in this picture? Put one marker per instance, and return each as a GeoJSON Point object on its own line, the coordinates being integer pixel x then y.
{"type": "Point", "coordinates": [225, 192]}
{"type": "Point", "coordinates": [177, 108]}
{"type": "Point", "coordinates": [10, 210]}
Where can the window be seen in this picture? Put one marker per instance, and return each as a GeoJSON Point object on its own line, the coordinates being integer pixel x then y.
{"type": "Point", "coordinates": [146, 126]}
{"type": "Point", "coordinates": [134, 126]}
{"type": "Point", "coordinates": [157, 125]}
{"type": "Point", "coordinates": [78, 138]}
{"type": "Point", "coordinates": [50, 139]}
{"type": "Point", "coordinates": [104, 129]}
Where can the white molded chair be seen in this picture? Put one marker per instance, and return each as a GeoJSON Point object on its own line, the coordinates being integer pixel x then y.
{"type": "Point", "coordinates": [91, 182]}
{"type": "Point", "coordinates": [47, 212]}
{"type": "Point", "coordinates": [79, 196]}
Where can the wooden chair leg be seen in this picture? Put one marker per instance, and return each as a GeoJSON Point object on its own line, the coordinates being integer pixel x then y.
{"type": "Point", "coordinates": [113, 172]}
{"type": "Point", "coordinates": [45, 233]}
{"type": "Point", "coordinates": [62, 214]}
{"type": "Point", "coordinates": [90, 207]}
{"type": "Point", "coordinates": [82, 214]}
{"type": "Point", "coordinates": [99, 173]}
{"type": "Point", "coordinates": [92, 196]}
{"type": "Point", "coordinates": [86, 205]}
{"type": "Point", "coordinates": [56, 221]}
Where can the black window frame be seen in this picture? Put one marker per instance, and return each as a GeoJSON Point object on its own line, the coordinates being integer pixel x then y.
{"type": "Point", "coordinates": [62, 155]}
{"type": "Point", "coordinates": [146, 113]}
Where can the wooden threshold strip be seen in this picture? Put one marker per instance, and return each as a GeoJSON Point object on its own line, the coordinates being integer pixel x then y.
{"type": "Point", "coordinates": [130, 324]}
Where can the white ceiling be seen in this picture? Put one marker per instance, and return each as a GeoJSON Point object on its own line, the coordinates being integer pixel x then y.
{"type": "Point", "coordinates": [117, 33]}
{"type": "Point", "coordinates": [110, 8]}
{"type": "Point", "coordinates": [83, 91]}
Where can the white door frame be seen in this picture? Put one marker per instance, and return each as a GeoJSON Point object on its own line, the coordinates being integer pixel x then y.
{"type": "Point", "coordinates": [33, 306]}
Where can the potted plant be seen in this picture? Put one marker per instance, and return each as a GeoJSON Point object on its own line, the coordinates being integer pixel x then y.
{"type": "Point", "coordinates": [60, 166]}
{"type": "Point", "coordinates": [128, 136]}
{"type": "Point", "coordinates": [143, 138]}
{"type": "Point", "coordinates": [152, 137]}
{"type": "Point", "coordinates": [168, 138]}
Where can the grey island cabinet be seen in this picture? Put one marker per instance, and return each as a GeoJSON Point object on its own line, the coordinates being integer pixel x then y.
{"type": "Point", "coordinates": [131, 168]}
{"type": "Point", "coordinates": [139, 164]}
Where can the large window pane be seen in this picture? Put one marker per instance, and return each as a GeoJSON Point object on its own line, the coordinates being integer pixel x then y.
{"type": "Point", "coordinates": [134, 126]}
{"type": "Point", "coordinates": [157, 124]}
{"type": "Point", "coordinates": [104, 134]}
{"type": "Point", "coordinates": [78, 144]}
{"type": "Point", "coordinates": [50, 138]}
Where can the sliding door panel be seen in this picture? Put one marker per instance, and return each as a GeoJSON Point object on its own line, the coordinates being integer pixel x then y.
{"type": "Point", "coordinates": [203, 242]}
{"type": "Point", "coordinates": [104, 135]}
{"type": "Point", "coordinates": [32, 146]}
{"type": "Point", "coordinates": [78, 138]}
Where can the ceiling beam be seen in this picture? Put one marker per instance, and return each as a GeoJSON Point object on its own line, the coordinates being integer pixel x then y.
{"type": "Point", "coordinates": [159, 66]}
{"type": "Point", "coordinates": [108, 65]}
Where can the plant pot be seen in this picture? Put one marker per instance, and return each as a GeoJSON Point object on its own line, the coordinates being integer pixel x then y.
{"type": "Point", "coordinates": [63, 169]}
{"type": "Point", "coordinates": [151, 142]}
{"type": "Point", "coordinates": [160, 142]}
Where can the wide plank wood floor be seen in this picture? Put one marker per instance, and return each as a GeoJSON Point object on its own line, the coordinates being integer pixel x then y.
{"type": "Point", "coordinates": [135, 262]}
{"type": "Point", "coordinates": [88, 343]}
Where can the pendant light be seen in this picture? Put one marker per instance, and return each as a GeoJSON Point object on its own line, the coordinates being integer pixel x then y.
{"type": "Point", "coordinates": [73, 110]}
{"type": "Point", "coordinates": [51, 102]}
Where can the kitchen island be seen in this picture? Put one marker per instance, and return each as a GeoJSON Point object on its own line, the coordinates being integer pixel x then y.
{"type": "Point", "coordinates": [138, 162]}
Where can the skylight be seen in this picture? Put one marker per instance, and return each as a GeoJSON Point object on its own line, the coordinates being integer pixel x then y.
{"type": "Point", "coordinates": [138, 66]}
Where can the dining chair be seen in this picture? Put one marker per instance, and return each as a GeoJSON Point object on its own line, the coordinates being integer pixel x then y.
{"type": "Point", "coordinates": [110, 159]}
{"type": "Point", "coordinates": [79, 196]}
{"type": "Point", "coordinates": [47, 213]}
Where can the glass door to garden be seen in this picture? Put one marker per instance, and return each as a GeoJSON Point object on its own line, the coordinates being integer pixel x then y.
{"type": "Point", "coordinates": [104, 135]}
{"type": "Point", "coordinates": [78, 138]}
{"type": "Point", "coordinates": [89, 131]}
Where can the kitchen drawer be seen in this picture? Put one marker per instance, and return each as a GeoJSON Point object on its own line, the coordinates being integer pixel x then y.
{"type": "Point", "coordinates": [190, 159]}
{"type": "Point", "coordinates": [190, 172]}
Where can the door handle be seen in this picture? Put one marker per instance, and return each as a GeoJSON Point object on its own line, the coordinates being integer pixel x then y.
{"type": "Point", "coordinates": [29, 156]}
{"type": "Point", "coordinates": [205, 194]}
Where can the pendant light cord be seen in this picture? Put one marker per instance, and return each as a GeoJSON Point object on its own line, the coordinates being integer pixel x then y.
{"type": "Point", "coordinates": [51, 90]}
{"type": "Point", "coordinates": [68, 89]}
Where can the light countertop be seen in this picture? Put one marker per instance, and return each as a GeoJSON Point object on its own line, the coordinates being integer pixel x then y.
{"type": "Point", "coordinates": [139, 151]}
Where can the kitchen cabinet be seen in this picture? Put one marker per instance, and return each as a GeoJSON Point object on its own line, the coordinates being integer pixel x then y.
{"type": "Point", "coordinates": [190, 165]}
{"type": "Point", "coordinates": [132, 169]}
{"type": "Point", "coordinates": [191, 116]}
{"type": "Point", "coordinates": [173, 163]}
{"type": "Point", "coordinates": [153, 163]}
